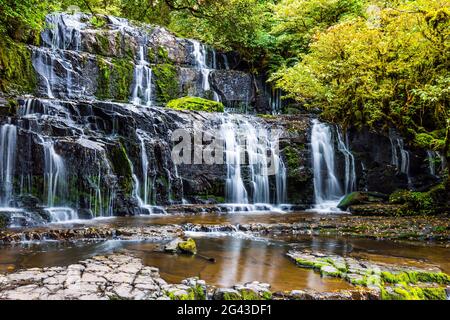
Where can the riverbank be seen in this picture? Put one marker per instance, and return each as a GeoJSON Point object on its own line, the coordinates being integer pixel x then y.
{"type": "Point", "coordinates": [163, 227]}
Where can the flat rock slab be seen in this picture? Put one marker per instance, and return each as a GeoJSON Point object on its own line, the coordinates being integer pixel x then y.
{"type": "Point", "coordinates": [148, 233]}
{"type": "Point", "coordinates": [99, 278]}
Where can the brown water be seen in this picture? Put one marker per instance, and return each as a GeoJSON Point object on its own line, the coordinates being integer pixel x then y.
{"type": "Point", "coordinates": [238, 259]}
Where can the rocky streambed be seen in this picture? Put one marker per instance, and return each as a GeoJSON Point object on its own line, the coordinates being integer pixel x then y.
{"type": "Point", "coordinates": [238, 256]}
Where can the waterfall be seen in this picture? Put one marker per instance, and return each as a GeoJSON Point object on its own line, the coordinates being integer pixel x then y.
{"type": "Point", "coordinates": [402, 162]}
{"type": "Point", "coordinates": [235, 189]}
{"type": "Point", "coordinates": [350, 171]}
{"type": "Point", "coordinates": [55, 183]}
{"type": "Point", "coordinates": [8, 146]}
{"type": "Point", "coordinates": [249, 144]}
{"type": "Point", "coordinates": [200, 56]}
{"type": "Point", "coordinates": [142, 85]}
{"type": "Point", "coordinates": [431, 156]}
{"type": "Point", "coordinates": [275, 101]}
{"type": "Point", "coordinates": [141, 191]}
{"type": "Point", "coordinates": [62, 33]}
{"type": "Point", "coordinates": [327, 189]}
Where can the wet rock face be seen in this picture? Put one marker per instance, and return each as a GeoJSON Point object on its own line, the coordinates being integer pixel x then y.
{"type": "Point", "coordinates": [373, 154]}
{"type": "Point", "coordinates": [81, 60]}
{"type": "Point", "coordinates": [296, 152]}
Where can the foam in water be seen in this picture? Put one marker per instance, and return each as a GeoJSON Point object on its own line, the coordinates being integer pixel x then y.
{"type": "Point", "coordinates": [62, 214]}
{"type": "Point", "coordinates": [8, 146]}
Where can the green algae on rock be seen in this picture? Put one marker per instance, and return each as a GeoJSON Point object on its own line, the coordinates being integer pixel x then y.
{"type": "Point", "coordinates": [188, 246]}
{"type": "Point", "coordinates": [393, 282]}
{"type": "Point", "coordinates": [195, 104]}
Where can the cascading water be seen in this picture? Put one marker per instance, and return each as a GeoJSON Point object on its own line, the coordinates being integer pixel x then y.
{"type": "Point", "coordinates": [143, 191]}
{"type": "Point", "coordinates": [200, 55]}
{"type": "Point", "coordinates": [142, 86]}
{"type": "Point", "coordinates": [431, 158]}
{"type": "Point", "coordinates": [350, 171]}
{"type": "Point", "coordinates": [398, 148]}
{"type": "Point", "coordinates": [327, 189]}
{"type": "Point", "coordinates": [55, 182]}
{"type": "Point", "coordinates": [247, 144]}
{"type": "Point", "coordinates": [8, 146]}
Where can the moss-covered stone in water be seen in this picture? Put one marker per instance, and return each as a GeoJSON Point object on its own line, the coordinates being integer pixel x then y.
{"type": "Point", "coordinates": [188, 246]}
{"type": "Point", "coordinates": [415, 277]}
{"type": "Point", "coordinates": [248, 294]}
{"type": "Point", "coordinates": [17, 74]}
{"type": "Point", "coordinates": [231, 296]}
{"type": "Point", "coordinates": [195, 104]}
{"type": "Point", "coordinates": [329, 271]}
{"type": "Point", "coordinates": [122, 167]}
{"type": "Point", "coordinates": [181, 295]}
{"type": "Point", "coordinates": [166, 81]}
{"type": "Point", "coordinates": [404, 291]}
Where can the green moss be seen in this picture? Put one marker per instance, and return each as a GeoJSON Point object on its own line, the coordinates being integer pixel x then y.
{"type": "Point", "coordinates": [199, 292]}
{"type": "Point", "coordinates": [267, 295]}
{"type": "Point", "coordinates": [351, 198]}
{"type": "Point", "coordinates": [231, 296]}
{"type": "Point", "coordinates": [102, 44]}
{"type": "Point", "coordinates": [17, 74]}
{"type": "Point", "coordinates": [122, 167]}
{"type": "Point", "coordinates": [415, 277]}
{"type": "Point", "coordinates": [419, 202]}
{"type": "Point", "coordinates": [166, 81]}
{"type": "Point", "coordinates": [98, 22]}
{"type": "Point", "coordinates": [159, 55]}
{"type": "Point", "coordinates": [188, 246]}
{"type": "Point", "coordinates": [190, 295]}
{"type": "Point", "coordinates": [311, 264]}
{"type": "Point", "coordinates": [114, 79]}
{"type": "Point", "coordinates": [195, 104]}
{"type": "Point", "coordinates": [404, 291]}
{"type": "Point", "coordinates": [292, 157]}
{"type": "Point", "coordinates": [267, 116]}
{"type": "Point", "coordinates": [248, 294]}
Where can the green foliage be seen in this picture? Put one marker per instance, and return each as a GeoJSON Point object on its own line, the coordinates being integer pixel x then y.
{"type": "Point", "coordinates": [414, 203]}
{"type": "Point", "coordinates": [387, 67]}
{"type": "Point", "coordinates": [195, 104]}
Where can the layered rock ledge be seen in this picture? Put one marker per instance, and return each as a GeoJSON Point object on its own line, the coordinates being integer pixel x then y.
{"type": "Point", "coordinates": [124, 277]}
{"type": "Point", "coordinates": [416, 228]}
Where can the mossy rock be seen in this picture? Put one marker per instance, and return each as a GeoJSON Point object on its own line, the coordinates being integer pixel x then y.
{"type": "Point", "coordinates": [359, 197]}
{"type": "Point", "coordinates": [17, 74]}
{"type": "Point", "coordinates": [195, 104]}
{"type": "Point", "coordinates": [121, 166]}
{"type": "Point", "coordinates": [114, 79]}
{"type": "Point", "coordinates": [188, 246]}
{"type": "Point", "coordinates": [249, 294]}
{"type": "Point", "coordinates": [166, 82]}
